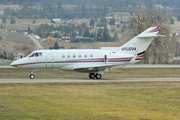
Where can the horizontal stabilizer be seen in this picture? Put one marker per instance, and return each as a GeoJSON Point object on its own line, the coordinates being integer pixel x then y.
{"type": "Point", "coordinates": [151, 35]}
{"type": "Point", "coordinates": [161, 36]}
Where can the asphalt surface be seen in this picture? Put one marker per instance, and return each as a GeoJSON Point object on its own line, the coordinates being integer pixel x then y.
{"type": "Point", "coordinates": [86, 80]}
{"type": "Point", "coordinates": [51, 80]}
{"type": "Point", "coordinates": [36, 42]}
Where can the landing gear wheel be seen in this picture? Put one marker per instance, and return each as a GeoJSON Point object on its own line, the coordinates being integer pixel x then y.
{"type": "Point", "coordinates": [98, 76]}
{"type": "Point", "coordinates": [31, 76]}
{"type": "Point", "coordinates": [92, 75]}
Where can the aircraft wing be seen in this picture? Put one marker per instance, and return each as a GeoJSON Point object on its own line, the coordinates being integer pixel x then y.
{"type": "Point", "coordinates": [94, 68]}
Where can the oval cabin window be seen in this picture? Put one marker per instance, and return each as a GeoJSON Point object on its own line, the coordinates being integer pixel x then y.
{"type": "Point", "coordinates": [91, 55]}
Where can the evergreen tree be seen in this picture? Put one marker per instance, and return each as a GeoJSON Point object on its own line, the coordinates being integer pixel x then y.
{"type": "Point", "coordinates": [29, 30]}
{"type": "Point", "coordinates": [178, 17]}
{"type": "Point", "coordinates": [92, 35]}
{"type": "Point", "coordinates": [43, 30]}
{"type": "Point", "coordinates": [4, 55]}
{"type": "Point", "coordinates": [3, 19]}
{"type": "Point", "coordinates": [80, 31]}
{"type": "Point", "coordinates": [34, 21]}
{"type": "Point", "coordinates": [56, 46]}
{"type": "Point", "coordinates": [2, 26]}
{"type": "Point", "coordinates": [105, 36]}
{"type": "Point", "coordinates": [86, 33]}
{"type": "Point", "coordinates": [48, 34]}
{"type": "Point", "coordinates": [115, 37]}
{"type": "Point", "coordinates": [59, 5]}
{"type": "Point", "coordinates": [171, 21]}
{"type": "Point", "coordinates": [99, 35]}
{"type": "Point", "coordinates": [91, 23]}
{"type": "Point", "coordinates": [12, 21]}
{"type": "Point", "coordinates": [112, 21]}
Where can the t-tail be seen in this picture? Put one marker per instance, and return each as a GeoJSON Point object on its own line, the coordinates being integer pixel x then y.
{"type": "Point", "coordinates": [139, 44]}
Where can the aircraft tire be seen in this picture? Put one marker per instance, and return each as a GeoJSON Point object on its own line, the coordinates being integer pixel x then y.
{"type": "Point", "coordinates": [98, 76]}
{"type": "Point", "coordinates": [92, 75]}
{"type": "Point", "coordinates": [31, 76]}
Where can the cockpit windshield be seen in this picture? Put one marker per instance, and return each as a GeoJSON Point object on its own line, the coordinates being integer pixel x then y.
{"type": "Point", "coordinates": [35, 54]}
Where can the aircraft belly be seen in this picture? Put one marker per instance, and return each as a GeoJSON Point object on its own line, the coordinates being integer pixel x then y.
{"type": "Point", "coordinates": [80, 67]}
{"type": "Point", "coordinates": [86, 71]}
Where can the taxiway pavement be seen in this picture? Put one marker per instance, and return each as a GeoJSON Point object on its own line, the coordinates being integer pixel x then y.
{"type": "Point", "coordinates": [51, 80]}
{"type": "Point", "coordinates": [86, 80]}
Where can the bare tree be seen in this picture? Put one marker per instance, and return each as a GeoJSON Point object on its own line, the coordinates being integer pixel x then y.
{"type": "Point", "coordinates": [142, 19]}
{"type": "Point", "coordinates": [145, 18]}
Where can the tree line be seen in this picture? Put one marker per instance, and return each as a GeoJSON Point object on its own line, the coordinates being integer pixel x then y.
{"type": "Point", "coordinates": [82, 30]}
{"type": "Point", "coordinates": [82, 9]}
{"type": "Point", "coordinates": [114, 3]}
{"type": "Point", "coordinates": [49, 11]}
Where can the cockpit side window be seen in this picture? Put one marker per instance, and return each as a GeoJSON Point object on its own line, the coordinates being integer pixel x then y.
{"type": "Point", "coordinates": [40, 54]}
{"type": "Point", "coordinates": [31, 55]}
{"type": "Point", "coordinates": [36, 54]}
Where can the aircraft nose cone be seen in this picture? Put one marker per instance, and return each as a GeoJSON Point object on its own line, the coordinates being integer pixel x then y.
{"type": "Point", "coordinates": [13, 64]}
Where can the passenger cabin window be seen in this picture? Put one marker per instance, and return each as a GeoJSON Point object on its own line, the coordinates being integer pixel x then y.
{"type": "Point", "coordinates": [79, 55]}
{"type": "Point", "coordinates": [63, 56]}
{"type": "Point", "coordinates": [68, 56]}
{"type": "Point", "coordinates": [74, 56]}
{"type": "Point", "coordinates": [91, 55]}
{"type": "Point", "coordinates": [85, 55]}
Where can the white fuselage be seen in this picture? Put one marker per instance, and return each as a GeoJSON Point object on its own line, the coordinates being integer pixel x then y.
{"type": "Point", "coordinates": [92, 61]}
{"type": "Point", "coordinates": [72, 59]}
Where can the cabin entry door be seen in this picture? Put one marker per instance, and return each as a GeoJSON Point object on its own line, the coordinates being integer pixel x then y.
{"type": "Point", "coordinates": [105, 58]}
{"type": "Point", "coordinates": [49, 61]}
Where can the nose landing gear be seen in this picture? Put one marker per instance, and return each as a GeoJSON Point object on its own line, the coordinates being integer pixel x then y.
{"type": "Point", "coordinates": [32, 76]}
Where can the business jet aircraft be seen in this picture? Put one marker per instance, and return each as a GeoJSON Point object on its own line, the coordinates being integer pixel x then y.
{"type": "Point", "coordinates": [92, 61]}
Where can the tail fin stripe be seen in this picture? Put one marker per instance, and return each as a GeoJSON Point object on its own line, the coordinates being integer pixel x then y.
{"type": "Point", "coordinates": [141, 53]}
{"type": "Point", "coordinates": [139, 56]}
{"type": "Point", "coordinates": [156, 29]}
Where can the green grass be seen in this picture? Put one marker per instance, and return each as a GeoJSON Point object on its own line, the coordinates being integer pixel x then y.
{"type": "Point", "coordinates": [93, 101]}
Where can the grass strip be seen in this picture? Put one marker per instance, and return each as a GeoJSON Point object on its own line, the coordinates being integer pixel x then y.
{"type": "Point", "coordinates": [93, 101]}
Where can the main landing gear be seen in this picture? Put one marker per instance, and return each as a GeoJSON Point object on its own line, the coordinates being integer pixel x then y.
{"type": "Point", "coordinates": [93, 76]}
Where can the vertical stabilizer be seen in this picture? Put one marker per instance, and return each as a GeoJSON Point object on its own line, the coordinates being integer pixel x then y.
{"type": "Point", "coordinates": [139, 44]}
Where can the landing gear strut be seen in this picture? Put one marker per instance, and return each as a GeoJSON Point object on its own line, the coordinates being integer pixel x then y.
{"type": "Point", "coordinates": [93, 76]}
